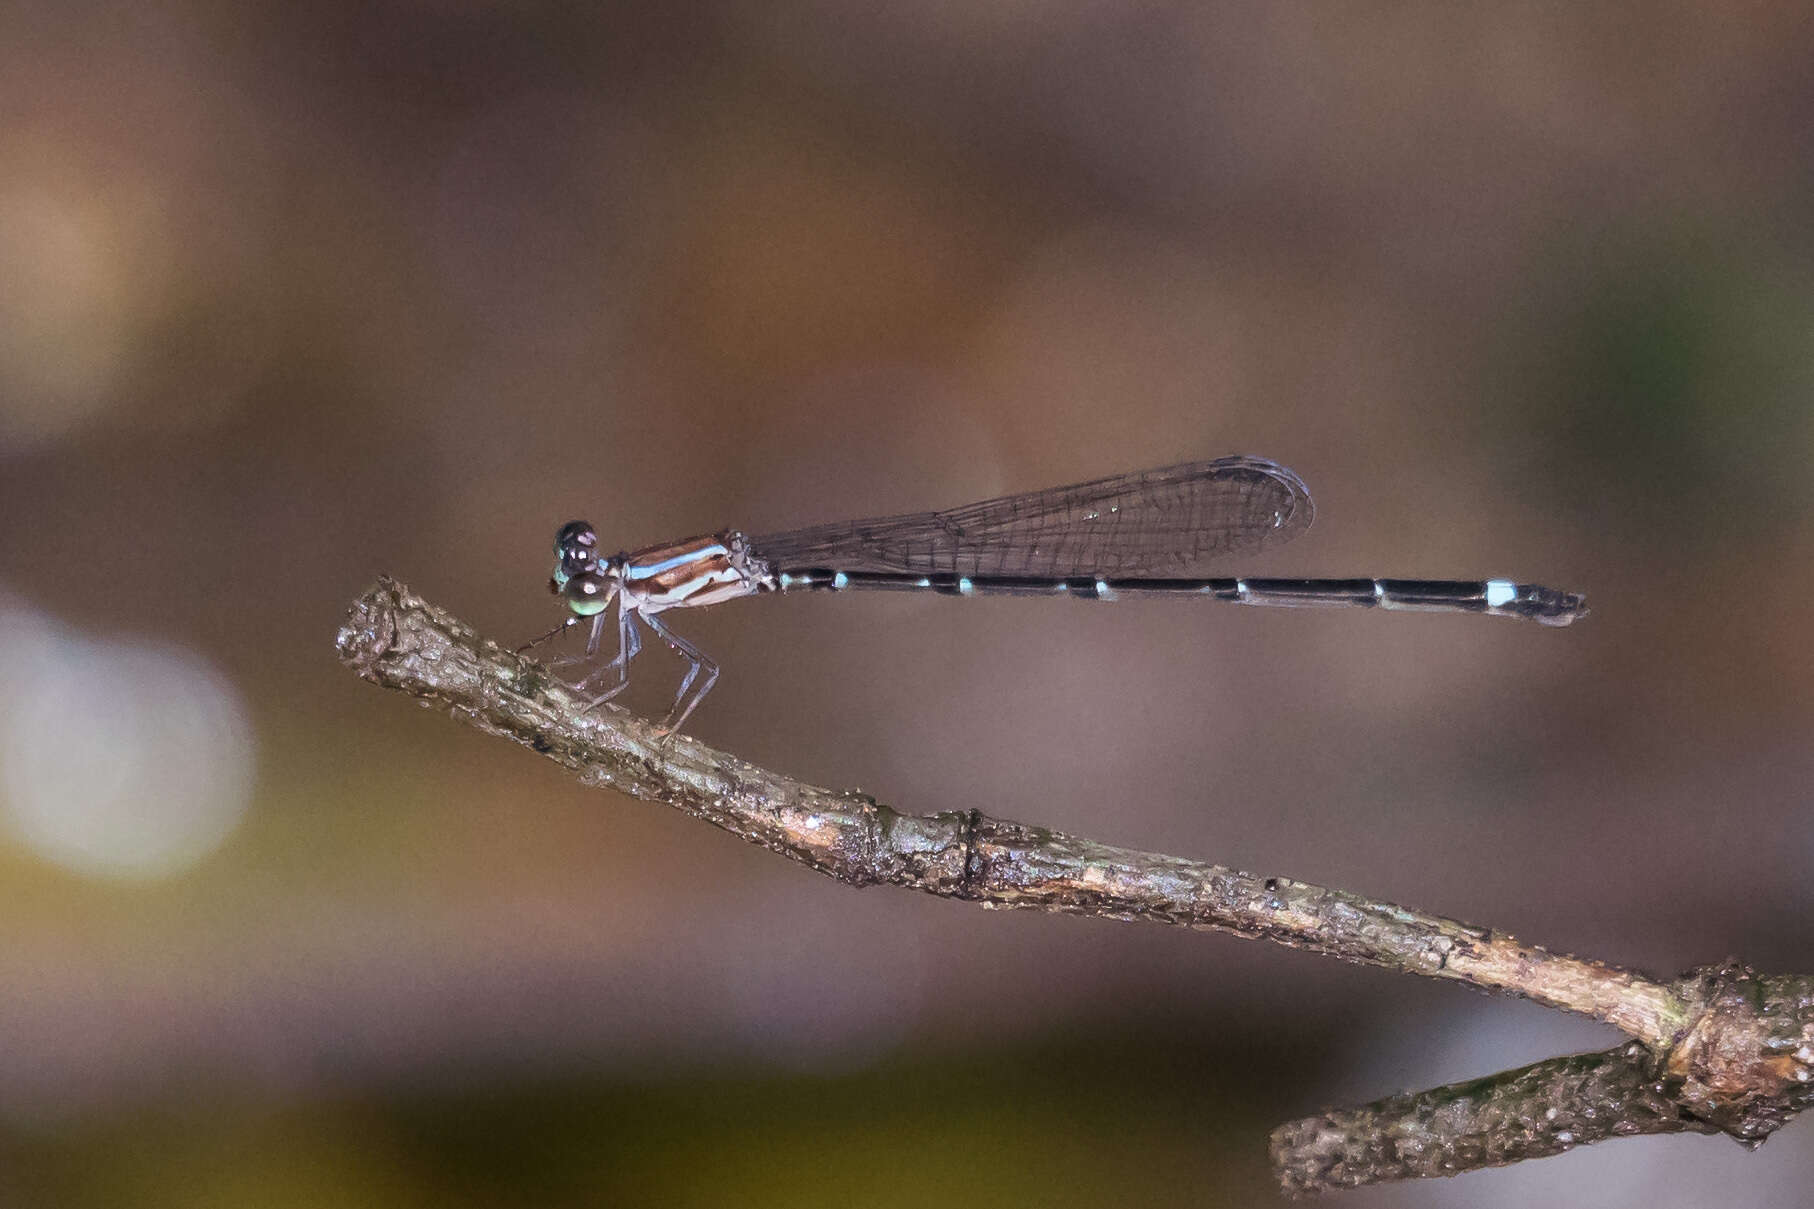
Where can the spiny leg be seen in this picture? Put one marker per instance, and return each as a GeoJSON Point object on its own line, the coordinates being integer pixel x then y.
{"type": "Point", "coordinates": [677, 716]}
{"type": "Point", "coordinates": [629, 642]}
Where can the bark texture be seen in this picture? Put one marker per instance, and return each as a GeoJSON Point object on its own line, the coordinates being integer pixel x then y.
{"type": "Point", "coordinates": [1718, 1050]}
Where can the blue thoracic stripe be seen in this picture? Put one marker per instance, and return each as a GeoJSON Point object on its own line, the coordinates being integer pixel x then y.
{"type": "Point", "coordinates": [649, 570]}
{"type": "Point", "coordinates": [1446, 595]}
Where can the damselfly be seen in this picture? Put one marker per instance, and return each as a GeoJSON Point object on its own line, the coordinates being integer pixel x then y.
{"type": "Point", "coordinates": [1130, 535]}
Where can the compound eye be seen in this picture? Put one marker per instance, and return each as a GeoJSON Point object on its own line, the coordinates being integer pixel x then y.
{"type": "Point", "coordinates": [574, 538]}
{"type": "Point", "coordinates": [576, 562]}
{"type": "Point", "coordinates": [587, 593]}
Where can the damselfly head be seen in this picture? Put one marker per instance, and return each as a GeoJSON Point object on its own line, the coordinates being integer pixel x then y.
{"type": "Point", "coordinates": [575, 553]}
{"type": "Point", "coordinates": [589, 592]}
{"type": "Point", "coordinates": [575, 535]}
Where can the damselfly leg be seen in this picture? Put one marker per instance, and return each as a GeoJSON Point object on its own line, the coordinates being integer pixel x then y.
{"type": "Point", "coordinates": [698, 661]}
{"type": "Point", "coordinates": [629, 642]}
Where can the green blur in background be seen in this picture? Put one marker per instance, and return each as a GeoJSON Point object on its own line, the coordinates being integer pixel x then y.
{"type": "Point", "coordinates": [295, 295]}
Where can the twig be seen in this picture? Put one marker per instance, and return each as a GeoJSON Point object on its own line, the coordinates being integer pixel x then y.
{"type": "Point", "coordinates": [399, 641]}
{"type": "Point", "coordinates": [1528, 1113]}
{"type": "Point", "coordinates": [1727, 1051]}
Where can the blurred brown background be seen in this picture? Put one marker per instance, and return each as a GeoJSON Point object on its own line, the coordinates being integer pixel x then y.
{"type": "Point", "coordinates": [291, 295]}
